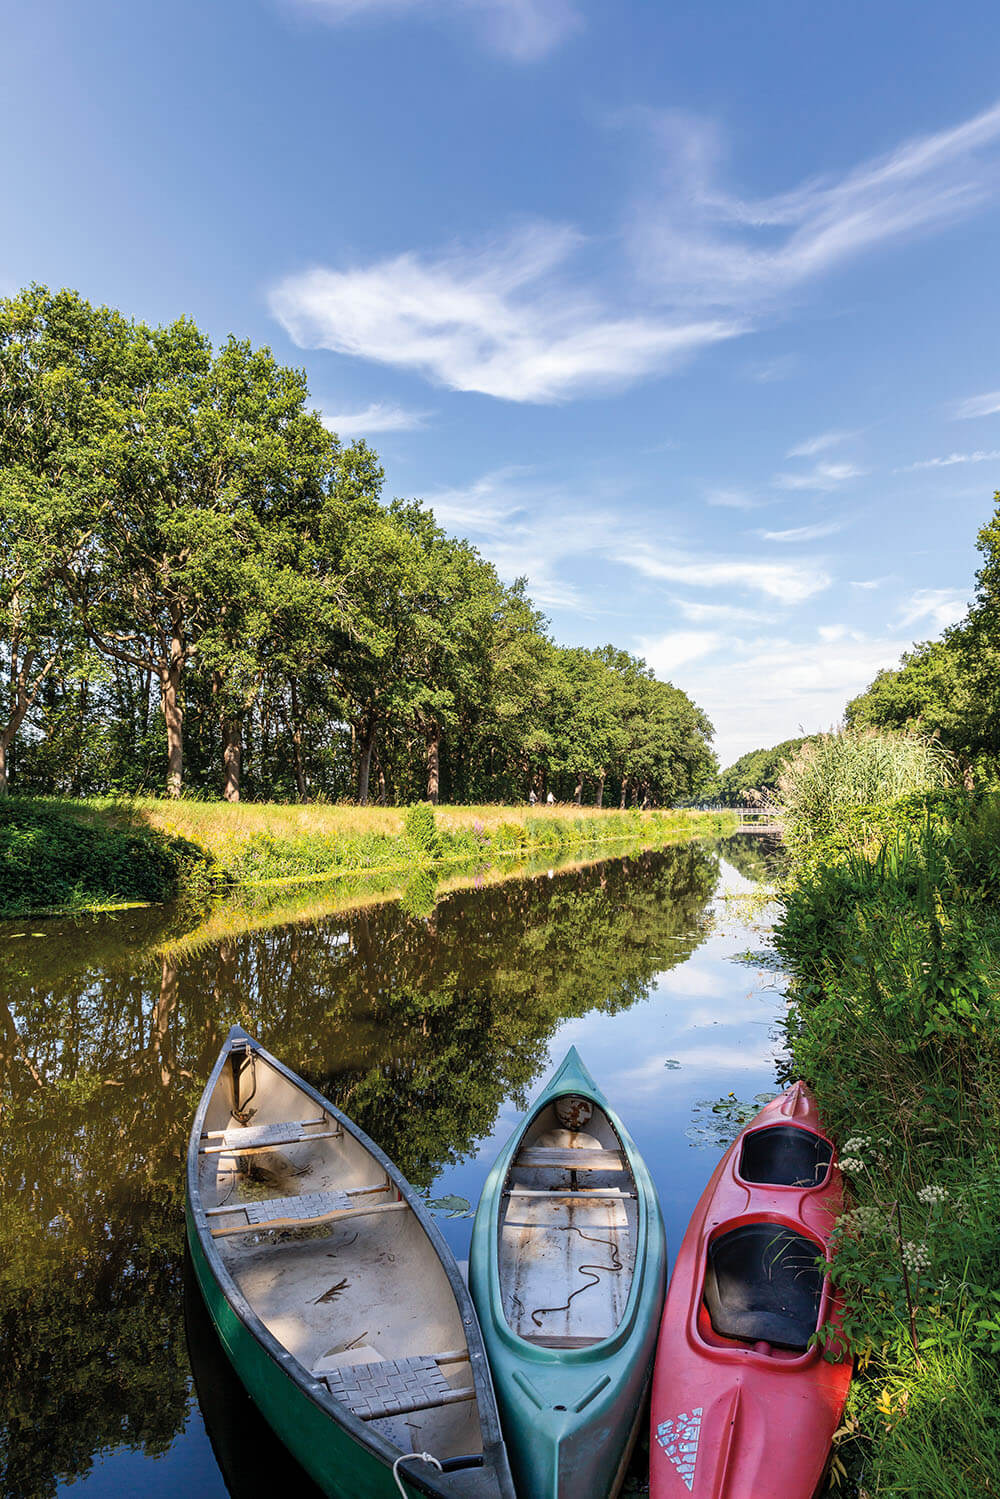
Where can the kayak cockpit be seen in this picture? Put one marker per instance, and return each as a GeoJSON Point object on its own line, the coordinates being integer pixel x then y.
{"type": "Point", "coordinates": [763, 1288]}
{"type": "Point", "coordinates": [568, 1229]}
{"type": "Point", "coordinates": [785, 1155]}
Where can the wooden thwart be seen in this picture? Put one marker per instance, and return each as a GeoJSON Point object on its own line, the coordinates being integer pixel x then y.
{"type": "Point", "coordinates": [551, 1340]}
{"type": "Point", "coordinates": [304, 1210]}
{"type": "Point", "coordinates": [245, 1139]}
{"type": "Point", "coordinates": [572, 1160]}
{"type": "Point", "coordinates": [557, 1193]}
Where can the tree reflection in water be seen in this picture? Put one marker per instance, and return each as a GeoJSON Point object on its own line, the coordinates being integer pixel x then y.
{"type": "Point", "coordinates": [417, 1018]}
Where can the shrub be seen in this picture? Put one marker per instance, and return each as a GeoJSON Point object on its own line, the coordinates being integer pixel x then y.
{"type": "Point", "coordinates": [420, 829]}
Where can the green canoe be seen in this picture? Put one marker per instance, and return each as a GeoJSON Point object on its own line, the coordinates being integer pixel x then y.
{"type": "Point", "coordinates": [567, 1271]}
{"type": "Point", "coordinates": [335, 1297]}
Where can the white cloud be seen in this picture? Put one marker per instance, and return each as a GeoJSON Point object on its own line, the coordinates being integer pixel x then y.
{"type": "Point", "coordinates": [496, 322]}
{"type": "Point", "coordinates": [703, 245]}
{"type": "Point", "coordinates": [788, 582]}
{"type": "Point", "coordinates": [702, 614]}
{"type": "Point", "coordinates": [731, 499]}
{"type": "Point", "coordinates": [985, 405]}
{"type": "Point", "coordinates": [804, 533]}
{"type": "Point", "coordinates": [824, 476]}
{"type": "Point", "coordinates": [375, 418]}
{"type": "Point", "coordinates": [769, 689]}
{"type": "Point", "coordinates": [941, 607]}
{"type": "Point", "coordinates": [869, 584]}
{"type": "Point", "coordinates": [814, 445]}
{"type": "Point", "coordinates": [978, 457]}
{"type": "Point", "coordinates": [525, 30]}
{"type": "Point", "coordinates": [664, 653]}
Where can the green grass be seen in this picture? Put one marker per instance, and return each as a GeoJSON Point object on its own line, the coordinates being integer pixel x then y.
{"type": "Point", "coordinates": [72, 855]}
{"type": "Point", "coordinates": [891, 931]}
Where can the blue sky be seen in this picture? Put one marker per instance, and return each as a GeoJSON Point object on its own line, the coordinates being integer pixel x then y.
{"type": "Point", "coordinates": [686, 312]}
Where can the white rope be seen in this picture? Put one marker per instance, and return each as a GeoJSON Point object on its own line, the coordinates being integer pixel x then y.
{"type": "Point", "coordinates": [425, 1457]}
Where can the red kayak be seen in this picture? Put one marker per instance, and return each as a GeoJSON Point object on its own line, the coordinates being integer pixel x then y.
{"type": "Point", "coordinates": [743, 1407]}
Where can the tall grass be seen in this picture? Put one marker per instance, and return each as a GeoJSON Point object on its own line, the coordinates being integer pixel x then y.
{"type": "Point", "coordinates": [856, 768]}
{"type": "Point", "coordinates": [891, 931]}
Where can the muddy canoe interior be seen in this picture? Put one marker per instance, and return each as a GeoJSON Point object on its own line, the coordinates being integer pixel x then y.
{"type": "Point", "coordinates": [567, 1233]}
{"type": "Point", "coordinates": [334, 1264]}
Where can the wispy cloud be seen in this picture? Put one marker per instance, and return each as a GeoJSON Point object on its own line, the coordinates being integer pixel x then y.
{"type": "Point", "coordinates": [664, 653]}
{"type": "Point", "coordinates": [985, 405]}
{"type": "Point", "coordinates": [940, 607]}
{"type": "Point", "coordinates": [819, 444]}
{"type": "Point", "coordinates": [375, 418]}
{"type": "Point", "coordinates": [524, 30]}
{"type": "Point", "coordinates": [788, 582]}
{"type": "Point", "coordinates": [798, 687]}
{"type": "Point", "coordinates": [731, 499]}
{"type": "Point", "coordinates": [804, 533]}
{"type": "Point", "coordinates": [498, 321]}
{"type": "Point", "coordinates": [823, 476]}
{"type": "Point", "coordinates": [703, 245]}
{"type": "Point", "coordinates": [978, 457]}
{"type": "Point", "coordinates": [704, 614]}
{"type": "Point", "coordinates": [870, 584]}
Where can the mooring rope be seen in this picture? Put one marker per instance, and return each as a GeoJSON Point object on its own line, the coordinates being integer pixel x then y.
{"type": "Point", "coordinates": [587, 1270]}
{"type": "Point", "coordinates": [424, 1457]}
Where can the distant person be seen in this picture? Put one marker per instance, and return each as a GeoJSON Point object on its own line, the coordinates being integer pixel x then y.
{"type": "Point", "coordinates": [550, 800]}
{"type": "Point", "coordinates": [532, 798]}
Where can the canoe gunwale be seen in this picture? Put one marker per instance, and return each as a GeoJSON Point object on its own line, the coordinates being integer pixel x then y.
{"type": "Point", "coordinates": [493, 1451]}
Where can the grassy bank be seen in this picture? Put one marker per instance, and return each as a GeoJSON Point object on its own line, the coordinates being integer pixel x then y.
{"type": "Point", "coordinates": [60, 854]}
{"type": "Point", "coordinates": [891, 930]}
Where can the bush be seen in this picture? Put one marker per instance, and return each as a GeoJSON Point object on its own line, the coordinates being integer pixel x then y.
{"type": "Point", "coordinates": [420, 829]}
{"type": "Point", "coordinates": [48, 858]}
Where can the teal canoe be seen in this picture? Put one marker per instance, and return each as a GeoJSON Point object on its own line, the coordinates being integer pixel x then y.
{"type": "Point", "coordinates": [334, 1296]}
{"type": "Point", "coordinates": [567, 1271]}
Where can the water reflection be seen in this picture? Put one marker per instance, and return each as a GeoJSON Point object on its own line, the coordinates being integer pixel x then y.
{"type": "Point", "coordinates": [428, 1022]}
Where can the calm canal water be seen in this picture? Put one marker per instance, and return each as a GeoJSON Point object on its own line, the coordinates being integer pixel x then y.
{"type": "Point", "coordinates": [431, 1020]}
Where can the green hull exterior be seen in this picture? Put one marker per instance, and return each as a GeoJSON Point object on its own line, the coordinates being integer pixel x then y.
{"type": "Point", "coordinates": [570, 1415]}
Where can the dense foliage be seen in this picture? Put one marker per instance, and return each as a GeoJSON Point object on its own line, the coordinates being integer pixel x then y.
{"type": "Point", "coordinates": [890, 929]}
{"type": "Point", "coordinates": [950, 687]}
{"type": "Point", "coordinates": [753, 778]}
{"type": "Point", "coordinates": [200, 585]}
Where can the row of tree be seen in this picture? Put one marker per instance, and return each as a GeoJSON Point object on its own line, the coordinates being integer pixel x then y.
{"type": "Point", "coordinates": [200, 582]}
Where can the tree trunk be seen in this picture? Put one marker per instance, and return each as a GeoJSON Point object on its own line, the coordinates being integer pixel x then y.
{"type": "Point", "coordinates": [578, 791]}
{"type": "Point", "coordinates": [4, 788]}
{"type": "Point", "coordinates": [173, 714]}
{"type": "Point", "coordinates": [621, 804]}
{"type": "Point", "coordinates": [296, 727]}
{"type": "Point", "coordinates": [232, 756]}
{"type": "Point", "coordinates": [433, 735]}
{"type": "Point", "coordinates": [599, 798]}
{"type": "Point", "coordinates": [365, 763]}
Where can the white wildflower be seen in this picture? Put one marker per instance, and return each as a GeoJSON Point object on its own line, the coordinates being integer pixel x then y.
{"type": "Point", "coordinates": [932, 1194]}
{"type": "Point", "coordinates": [916, 1256]}
{"type": "Point", "coordinates": [851, 1163]}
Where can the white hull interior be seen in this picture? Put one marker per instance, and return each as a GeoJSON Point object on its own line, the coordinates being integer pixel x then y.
{"type": "Point", "coordinates": [567, 1233]}
{"type": "Point", "coordinates": [334, 1264]}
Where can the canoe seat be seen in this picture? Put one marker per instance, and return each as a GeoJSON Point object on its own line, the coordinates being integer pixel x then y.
{"type": "Point", "coordinates": [570, 1159]}
{"type": "Point", "coordinates": [394, 1386]}
{"type": "Point", "coordinates": [264, 1136]}
{"type": "Point", "coordinates": [764, 1283]}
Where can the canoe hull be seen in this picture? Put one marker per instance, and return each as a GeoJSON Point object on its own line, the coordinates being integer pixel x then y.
{"type": "Point", "coordinates": [346, 1457]}
{"type": "Point", "coordinates": [734, 1418]}
{"type": "Point", "coordinates": [570, 1416]}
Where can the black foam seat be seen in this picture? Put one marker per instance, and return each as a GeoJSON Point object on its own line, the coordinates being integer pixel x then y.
{"type": "Point", "coordinates": [784, 1156]}
{"type": "Point", "coordinates": [763, 1285]}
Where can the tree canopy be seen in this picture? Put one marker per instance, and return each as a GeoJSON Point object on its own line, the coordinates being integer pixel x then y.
{"type": "Point", "coordinates": [203, 588]}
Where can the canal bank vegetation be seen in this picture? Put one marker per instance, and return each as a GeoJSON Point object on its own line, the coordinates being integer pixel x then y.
{"type": "Point", "coordinates": [59, 854]}
{"type": "Point", "coordinates": [890, 928]}
{"type": "Point", "coordinates": [201, 588]}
